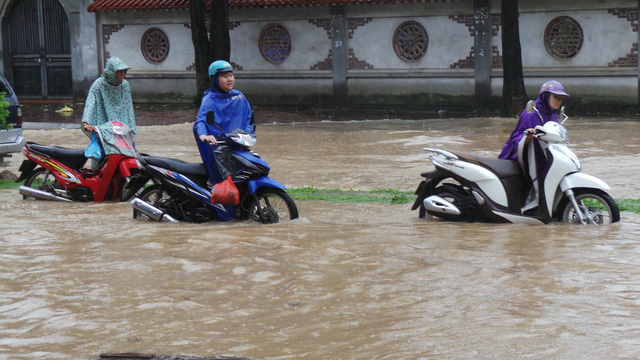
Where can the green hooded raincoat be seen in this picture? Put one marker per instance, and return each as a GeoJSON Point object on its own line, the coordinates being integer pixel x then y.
{"type": "Point", "coordinates": [108, 100]}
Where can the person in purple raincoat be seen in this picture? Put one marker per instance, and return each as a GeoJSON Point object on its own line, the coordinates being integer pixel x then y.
{"type": "Point", "coordinates": [522, 146]}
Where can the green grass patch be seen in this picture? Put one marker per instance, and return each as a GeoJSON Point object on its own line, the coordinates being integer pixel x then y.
{"type": "Point", "coordinates": [9, 184]}
{"type": "Point", "coordinates": [381, 195]}
{"type": "Point", "coordinates": [393, 196]}
{"type": "Point", "coordinates": [629, 205]}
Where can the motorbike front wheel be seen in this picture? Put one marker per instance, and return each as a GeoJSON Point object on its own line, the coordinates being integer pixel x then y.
{"type": "Point", "coordinates": [42, 179]}
{"type": "Point", "coordinates": [134, 186]}
{"type": "Point", "coordinates": [155, 196]}
{"type": "Point", "coordinates": [275, 204]}
{"type": "Point", "coordinates": [598, 208]}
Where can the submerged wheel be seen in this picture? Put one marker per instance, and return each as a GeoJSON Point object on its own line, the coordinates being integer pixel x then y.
{"type": "Point", "coordinates": [156, 196]}
{"type": "Point", "coordinates": [598, 207]}
{"type": "Point", "coordinates": [42, 179]}
{"type": "Point", "coordinates": [450, 197]}
{"type": "Point", "coordinates": [276, 205]}
{"type": "Point", "coordinates": [460, 198]}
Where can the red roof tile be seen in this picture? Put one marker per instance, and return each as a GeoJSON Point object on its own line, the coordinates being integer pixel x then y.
{"type": "Point", "coordinates": [142, 5]}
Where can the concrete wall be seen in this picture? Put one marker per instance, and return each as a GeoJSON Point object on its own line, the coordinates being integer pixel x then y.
{"type": "Point", "coordinates": [441, 78]}
{"type": "Point", "coordinates": [383, 77]}
{"type": "Point", "coordinates": [591, 73]}
{"type": "Point", "coordinates": [372, 73]}
{"type": "Point", "coordinates": [172, 80]}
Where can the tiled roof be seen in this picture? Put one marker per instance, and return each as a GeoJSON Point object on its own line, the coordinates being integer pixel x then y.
{"type": "Point", "coordinates": [131, 5]}
{"type": "Point", "coordinates": [142, 5]}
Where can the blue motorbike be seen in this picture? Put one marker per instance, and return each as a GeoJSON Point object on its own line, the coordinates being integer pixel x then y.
{"type": "Point", "coordinates": [182, 191]}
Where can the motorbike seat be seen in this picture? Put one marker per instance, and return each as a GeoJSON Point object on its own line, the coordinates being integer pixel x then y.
{"type": "Point", "coordinates": [176, 165]}
{"type": "Point", "coordinates": [503, 168]}
{"type": "Point", "coordinates": [73, 158]}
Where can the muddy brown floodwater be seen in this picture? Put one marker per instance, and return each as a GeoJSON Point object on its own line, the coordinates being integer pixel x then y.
{"type": "Point", "coordinates": [346, 280]}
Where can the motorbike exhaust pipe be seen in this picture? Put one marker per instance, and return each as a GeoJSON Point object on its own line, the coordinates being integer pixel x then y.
{"type": "Point", "coordinates": [151, 211]}
{"type": "Point", "coordinates": [39, 194]}
{"type": "Point", "coordinates": [437, 204]}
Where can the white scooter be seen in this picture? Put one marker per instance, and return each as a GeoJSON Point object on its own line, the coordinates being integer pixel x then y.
{"type": "Point", "coordinates": [466, 187]}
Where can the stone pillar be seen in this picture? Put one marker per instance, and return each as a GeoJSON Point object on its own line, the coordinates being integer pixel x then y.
{"type": "Point", "coordinates": [339, 55]}
{"type": "Point", "coordinates": [482, 51]}
{"type": "Point", "coordinates": [84, 49]}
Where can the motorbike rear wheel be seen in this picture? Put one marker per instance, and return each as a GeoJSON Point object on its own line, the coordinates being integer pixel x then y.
{"type": "Point", "coordinates": [156, 196]}
{"type": "Point", "coordinates": [42, 179]}
{"type": "Point", "coordinates": [458, 196]}
{"type": "Point", "coordinates": [276, 205]}
{"type": "Point", "coordinates": [598, 207]}
{"type": "Point", "coordinates": [447, 195]}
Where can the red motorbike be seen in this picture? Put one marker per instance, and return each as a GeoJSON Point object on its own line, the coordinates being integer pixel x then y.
{"type": "Point", "coordinates": [58, 173]}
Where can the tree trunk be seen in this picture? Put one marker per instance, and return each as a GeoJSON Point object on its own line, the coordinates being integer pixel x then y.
{"type": "Point", "coordinates": [208, 47]}
{"type": "Point", "coordinates": [220, 42]}
{"type": "Point", "coordinates": [514, 94]}
{"type": "Point", "coordinates": [200, 46]}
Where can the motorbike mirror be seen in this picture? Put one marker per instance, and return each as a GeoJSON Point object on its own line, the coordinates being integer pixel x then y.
{"type": "Point", "coordinates": [211, 120]}
{"type": "Point", "coordinates": [531, 106]}
{"type": "Point", "coordinates": [211, 117]}
{"type": "Point", "coordinates": [563, 115]}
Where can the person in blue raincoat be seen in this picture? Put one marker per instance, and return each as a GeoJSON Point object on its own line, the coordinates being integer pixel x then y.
{"type": "Point", "coordinates": [109, 99]}
{"type": "Point", "coordinates": [522, 146]}
{"type": "Point", "coordinates": [232, 111]}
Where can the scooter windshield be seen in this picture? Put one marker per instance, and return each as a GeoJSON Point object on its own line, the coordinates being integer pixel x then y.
{"type": "Point", "coordinates": [116, 138]}
{"type": "Point", "coordinates": [245, 139]}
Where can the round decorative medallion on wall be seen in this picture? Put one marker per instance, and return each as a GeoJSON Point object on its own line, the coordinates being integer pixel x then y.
{"type": "Point", "coordinates": [563, 37]}
{"type": "Point", "coordinates": [410, 41]}
{"type": "Point", "coordinates": [275, 43]}
{"type": "Point", "coordinates": [155, 45]}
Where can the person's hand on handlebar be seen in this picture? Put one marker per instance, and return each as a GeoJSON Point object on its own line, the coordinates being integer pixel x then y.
{"type": "Point", "coordinates": [208, 139]}
{"type": "Point", "coordinates": [530, 132]}
{"type": "Point", "coordinates": [89, 128]}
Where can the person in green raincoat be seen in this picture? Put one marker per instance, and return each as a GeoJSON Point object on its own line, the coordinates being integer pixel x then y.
{"type": "Point", "coordinates": [109, 99]}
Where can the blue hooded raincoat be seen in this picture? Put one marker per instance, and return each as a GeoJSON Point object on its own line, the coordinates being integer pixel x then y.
{"type": "Point", "coordinates": [232, 111]}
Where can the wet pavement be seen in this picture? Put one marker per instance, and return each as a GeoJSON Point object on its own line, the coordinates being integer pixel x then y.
{"type": "Point", "coordinates": [52, 116]}
{"type": "Point", "coordinates": [346, 280]}
{"type": "Point", "coordinates": [66, 115]}
{"type": "Point", "coordinates": [49, 116]}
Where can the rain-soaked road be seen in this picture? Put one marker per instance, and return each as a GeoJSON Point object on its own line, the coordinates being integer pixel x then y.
{"type": "Point", "coordinates": [345, 281]}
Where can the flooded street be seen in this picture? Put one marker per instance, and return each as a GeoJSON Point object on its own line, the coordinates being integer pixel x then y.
{"type": "Point", "coordinates": [346, 280]}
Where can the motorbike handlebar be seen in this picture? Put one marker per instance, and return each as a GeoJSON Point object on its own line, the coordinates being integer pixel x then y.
{"type": "Point", "coordinates": [535, 132]}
